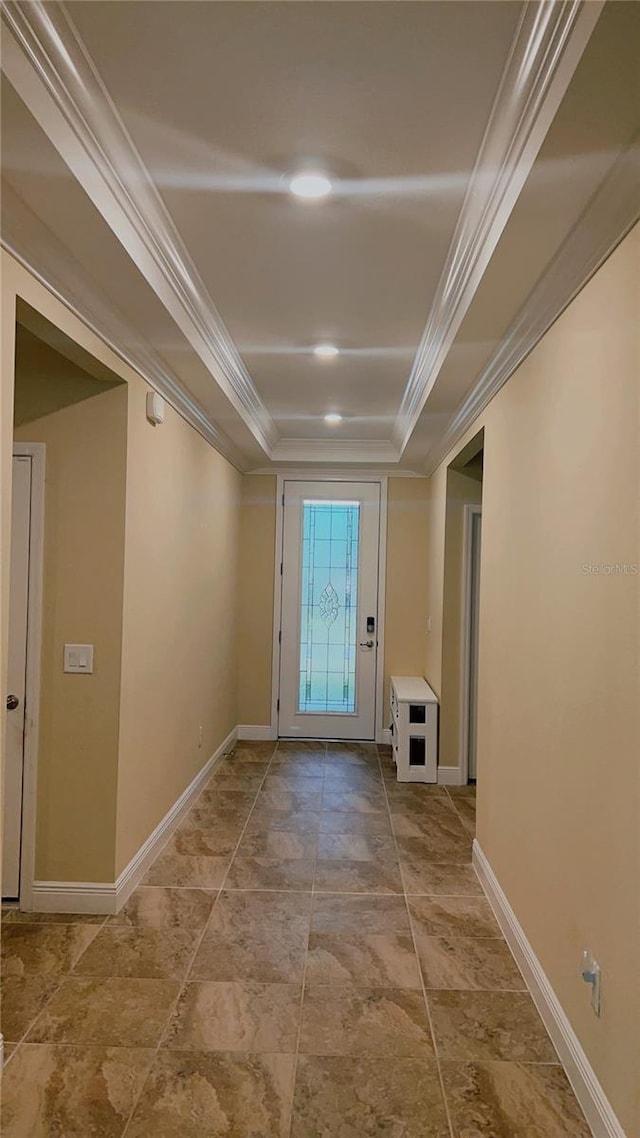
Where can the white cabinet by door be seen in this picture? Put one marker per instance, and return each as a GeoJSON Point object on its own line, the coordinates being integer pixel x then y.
{"type": "Point", "coordinates": [414, 729]}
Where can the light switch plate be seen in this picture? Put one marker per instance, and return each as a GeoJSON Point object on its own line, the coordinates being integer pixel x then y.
{"type": "Point", "coordinates": [78, 658]}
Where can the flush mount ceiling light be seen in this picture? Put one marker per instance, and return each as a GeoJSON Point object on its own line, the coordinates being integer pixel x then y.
{"type": "Point", "coordinates": [310, 185]}
{"type": "Point", "coordinates": [333, 418]}
{"type": "Point", "coordinates": [325, 351]}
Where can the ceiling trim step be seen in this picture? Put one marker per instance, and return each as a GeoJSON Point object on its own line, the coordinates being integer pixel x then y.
{"type": "Point", "coordinates": [545, 52]}
{"type": "Point", "coordinates": [46, 62]}
{"type": "Point", "coordinates": [611, 213]}
{"type": "Point", "coordinates": [41, 253]}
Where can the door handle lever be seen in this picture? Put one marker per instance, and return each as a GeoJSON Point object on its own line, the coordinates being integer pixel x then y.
{"type": "Point", "coordinates": [366, 643]}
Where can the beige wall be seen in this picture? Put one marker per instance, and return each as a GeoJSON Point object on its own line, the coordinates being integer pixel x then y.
{"type": "Point", "coordinates": [82, 603]}
{"type": "Point", "coordinates": [406, 599]}
{"type": "Point", "coordinates": [256, 587]}
{"type": "Point", "coordinates": [179, 624]}
{"type": "Point", "coordinates": [461, 491]}
{"type": "Point", "coordinates": [558, 731]}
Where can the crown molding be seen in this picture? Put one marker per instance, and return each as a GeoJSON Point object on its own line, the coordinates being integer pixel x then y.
{"type": "Point", "coordinates": [46, 62]}
{"type": "Point", "coordinates": [371, 451]}
{"type": "Point", "coordinates": [53, 268]}
{"type": "Point", "coordinates": [607, 219]}
{"type": "Point", "coordinates": [546, 49]}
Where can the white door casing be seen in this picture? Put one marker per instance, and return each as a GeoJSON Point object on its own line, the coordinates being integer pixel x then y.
{"type": "Point", "coordinates": [16, 674]}
{"type": "Point", "coordinates": [470, 625]}
{"type": "Point", "coordinates": [299, 717]}
{"type": "Point", "coordinates": [23, 672]}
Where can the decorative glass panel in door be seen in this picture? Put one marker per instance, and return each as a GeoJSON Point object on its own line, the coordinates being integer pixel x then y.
{"type": "Point", "coordinates": [329, 600]}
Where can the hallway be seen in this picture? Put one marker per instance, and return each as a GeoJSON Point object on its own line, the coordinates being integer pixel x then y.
{"type": "Point", "coordinates": [311, 955]}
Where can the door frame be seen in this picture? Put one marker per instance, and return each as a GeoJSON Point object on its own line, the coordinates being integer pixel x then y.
{"type": "Point", "coordinates": [470, 510]}
{"type": "Point", "coordinates": [337, 476]}
{"type": "Point", "coordinates": [37, 453]}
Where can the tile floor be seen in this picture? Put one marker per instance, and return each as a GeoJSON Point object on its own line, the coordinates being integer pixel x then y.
{"type": "Point", "coordinates": [310, 956]}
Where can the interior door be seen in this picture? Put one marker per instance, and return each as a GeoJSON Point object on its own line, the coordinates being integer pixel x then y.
{"type": "Point", "coordinates": [16, 675]}
{"type": "Point", "coordinates": [329, 625]}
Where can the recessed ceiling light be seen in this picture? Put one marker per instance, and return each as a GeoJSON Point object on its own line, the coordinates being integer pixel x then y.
{"type": "Point", "coordinates": [311, 184]}
{"type": "Point", "coordinates": [325, 351]}
{"type": "Point", "coordinates": [333, 418]}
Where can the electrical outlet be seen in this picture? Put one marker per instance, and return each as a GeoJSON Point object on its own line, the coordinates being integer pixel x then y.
{"type": "Point", "coordinates": [200, 735]}
{"type": "Point", "coordinates": [591, 975]}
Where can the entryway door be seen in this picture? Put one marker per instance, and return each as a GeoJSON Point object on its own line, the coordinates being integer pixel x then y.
{"type": "Point", "coordinates": [329, 614]}
{"type": "Point", "coordinates": [16, 675]}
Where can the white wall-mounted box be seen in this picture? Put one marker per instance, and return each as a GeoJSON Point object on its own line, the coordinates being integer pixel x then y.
{"type": "Point", "coordinates": [414, 729]}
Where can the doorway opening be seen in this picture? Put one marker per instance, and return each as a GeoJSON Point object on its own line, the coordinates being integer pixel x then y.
{"type": "Point", "coordinates": [53, 375]}
{"type": "Point", "coordinates": [463, 530]}
{"type": "Point", "coordinates": [329, 617]}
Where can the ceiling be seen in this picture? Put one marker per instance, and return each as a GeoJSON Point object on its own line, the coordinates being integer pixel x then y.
{"type": "Point", "coordinates": [482, 159]}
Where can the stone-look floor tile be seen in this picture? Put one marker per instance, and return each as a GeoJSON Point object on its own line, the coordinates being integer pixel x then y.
{"type": "Point", "coordinates": [365, 1021]}
{"type": "Point", "coordinates": [278, 843]}
{"type": "Point", "coordinates": [113, 1012]}
{"type": "Point", "coordinates": [440, 879]}
{"type": "Point", "coordinates": [364, 913]}
{"type": "Point", "coordinates": [220, 1095]}
{"type": "Point", "coordinates": [416, 853]}
{"type": "Point", "coordinates": [358, 877]}
{"type": "Point", "coordinates": [352, 749]}
{"type": "Point", "coordinates": [453, 916]}
{"type": "Point", "coordinates": [466, 791]}
{"type": "Point", "coordinates": [255, 936]}
{"type": "Point", "coordinates": [291, 800]}
{"type": "Point", "coordinates": [374, 960]}
{"type": "Point", "coordinates": [8, 1049]}
{"type": "Point", "coordinates": [351, 778]}
{"type": "Point", "coordinates": [357, 847]}
{"type": "Point", "coordinates": [301, 747]}
{"type": "Point", "coordinates": [177, 869]}
{"type": "Point", "coordinates": [23, 998]}
{"type": "Point", "coordinates": [294, 822]}
{"type": "Point", "coordinates": [420, 823]}
{"type": "Point", "coordinates": [16, 917]}
{"type": "Point", "coordinates": [43, 949]}
{"type": "Point", "coordinates": [344, 822]}
{"type": "Point", "coordinates": [344, 1097]}
{"type": "Point", "coordinates": [489, 1025]}
{"type": "Point", "coordinates": [271, 873]}
{"type": "Point", "coordinates": [293, 780]}
{"type": "Point", "coordinates": [512, 1100]}
{"type": "Point", "coordinates": [307, 765]}
{"type": "Point", "coordinates": [249, 778]}
{"type": "Point", "coordinates": [466, 811]}
{"type": "Point", "coordinates": [356, 801]}
{"type": "Point", "coordinates": [253, 750]}
{"type": "Point", "coordinates": [72, 1091]}
{"type": "Point", "coordinates": [468, 963]}
{"type": "Point", "coordinates": [235, 1016]}
{"type": "Point", "coordinates": [444, 829]}
{"type": "Point", "coordinates": [196, 841]}
{"type": "Point", "coordinates": [206, 816]}
{"type": "Point", "coordinates": [410, 800]}
{"type": "Point", "coordinates": [160, 907]}
{"type": "Point", "coordinates": [153, 953]}
{"type": "Point", "coordinates": [218, 798]}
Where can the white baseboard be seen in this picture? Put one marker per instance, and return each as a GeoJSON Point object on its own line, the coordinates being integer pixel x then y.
{"type": "Point", "coordinates": [257, 732]}
{"type": "Point", "coordinates": [109, 897]}
{"type": "Point", "coordinates": [595, 1104]}
{"type": "Point", "coordinates": [450, 776]}
{"type": "Point", "coordinates": [385, 737]}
